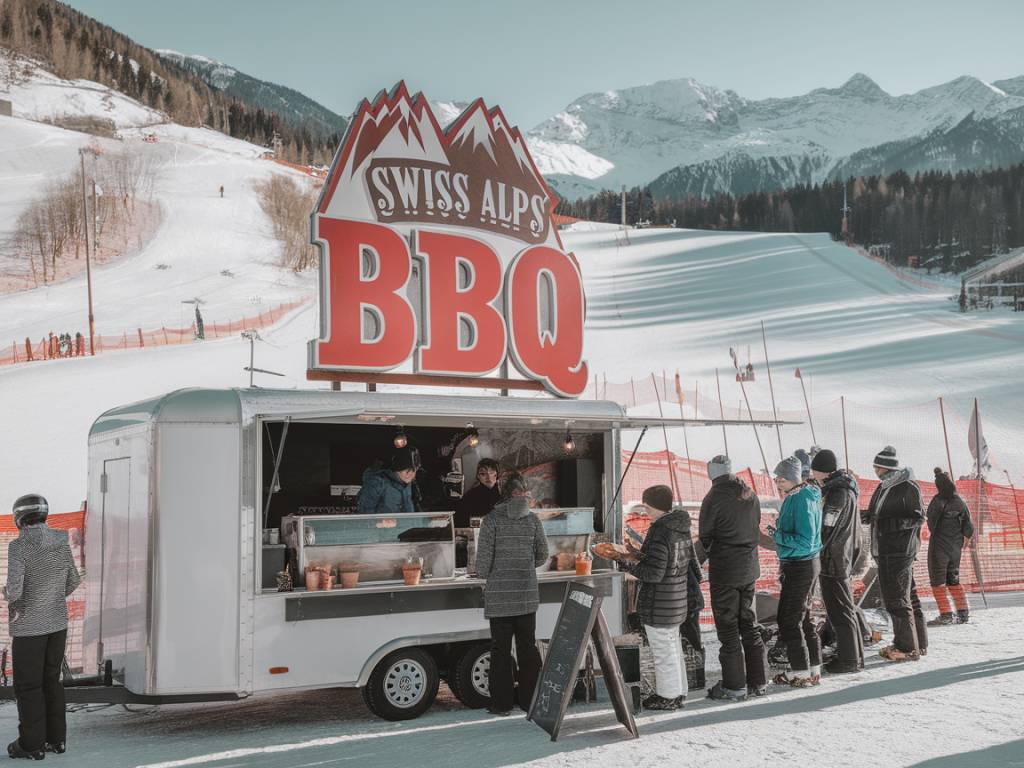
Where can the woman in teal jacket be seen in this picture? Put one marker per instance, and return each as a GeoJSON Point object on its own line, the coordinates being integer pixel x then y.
{"type": "Point", "coordinates": [797, 535]}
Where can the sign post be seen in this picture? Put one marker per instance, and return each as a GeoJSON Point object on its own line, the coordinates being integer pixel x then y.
{"type": "Point", "coordinates": [439, 253]}
{"type": "Point", "coordinates": [579, 621]}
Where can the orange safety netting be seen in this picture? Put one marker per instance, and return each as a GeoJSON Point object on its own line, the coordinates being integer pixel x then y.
{"type": "Point", "coordinates": [53, 347]}
{"type": "Point", "coordinates": [74, 524]}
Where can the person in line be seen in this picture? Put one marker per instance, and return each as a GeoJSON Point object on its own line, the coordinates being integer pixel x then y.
{"type": "Point", "coordinates": [840, 551]}
{"type": "Point", "coordinates": [479, 500]}
{"type": "Point", "coordinates": [950, 526]}
{"type": "Point", "coordinates": [389, 491]}
{"type": "Point", "coordinates": [896, 514]}
{"type": "Point", "coordinates": [661, 566]}
{"type": "Point", "coordinates": [729, 531]}
{"type": "Point", "coordinates": [797, 535]}
{"type": "Point", "coordinates": [41, 573]}
{"type": "Point", "coordinates": [511, 547]}
{"type": "Point", "coordinates": [690, 628]}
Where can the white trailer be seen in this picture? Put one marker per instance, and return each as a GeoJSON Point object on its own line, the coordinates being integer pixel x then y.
{"type": "Point", "coordinates": [178, 605]}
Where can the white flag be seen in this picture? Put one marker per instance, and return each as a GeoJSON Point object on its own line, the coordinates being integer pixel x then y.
{"type": "Point", "coordinates": [976, 437]}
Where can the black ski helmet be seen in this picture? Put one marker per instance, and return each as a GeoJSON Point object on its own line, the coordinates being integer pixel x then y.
{"type": "Point", "coordinates": [30, 509]}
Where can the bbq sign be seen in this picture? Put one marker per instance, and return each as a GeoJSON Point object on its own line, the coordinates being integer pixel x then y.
{"type": "Point", "coordinates": [438, 246]}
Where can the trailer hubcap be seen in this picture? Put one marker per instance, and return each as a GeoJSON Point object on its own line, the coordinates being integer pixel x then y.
{"type": "Point", "coordinates": [481, 674]}
{"type": "Point", "coordinates": [405, 684]}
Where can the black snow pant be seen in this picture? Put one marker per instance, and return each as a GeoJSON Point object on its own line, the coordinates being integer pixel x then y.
{"type": "Point", "coordinates": [690, 632]}
{"type": "Point", "coordinates": [37, 663]}
{"type": "Point", "coordinates": [899, 594]}
{"type": "Point", "coordinates": [803, 647]}
{"type": "Point", "coordinates": [837, 594]}
{"type": "Point", "coordinates": [503, 689]}
{"type": "Point", "coordinates": [742, 653]}
{"type": "Point", "coordinates": [943, 566]}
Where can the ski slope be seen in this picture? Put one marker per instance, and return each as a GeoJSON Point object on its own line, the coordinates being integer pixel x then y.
{"type": "Point", "coordinates": [674, 299]}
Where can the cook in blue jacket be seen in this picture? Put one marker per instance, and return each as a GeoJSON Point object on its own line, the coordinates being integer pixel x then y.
{"type": "Point", "coordinates": [389, 491]}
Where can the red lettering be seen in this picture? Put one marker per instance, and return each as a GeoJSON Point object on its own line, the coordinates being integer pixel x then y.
{"type": "Point", "coordinates": [368, 323]}
{"type": "Point", "coordinates": [449, 308]}
{"type": "Point", "coordinates": [549, 349]}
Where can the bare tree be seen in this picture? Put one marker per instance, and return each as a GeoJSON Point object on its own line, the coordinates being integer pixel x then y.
{"type": "Point", "coordinates": [288, 204]}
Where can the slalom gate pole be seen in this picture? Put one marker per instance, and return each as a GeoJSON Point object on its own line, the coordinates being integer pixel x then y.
{"type": "Point", "coordinates": [721, 411]}
{"type": "Point", "coordinates": [668, 453]}
{"type": "Point", "coordinates": [771, 389]}
{"type": "Point", "coordinates": [975, 557]}
{"type": "Point", "coordinates": [753, 426]}
{"type": "Point", "coordinates": [807, 405]}
{"type": "Point", "coordinates": [945, 434]}
{"type": "Point", "coordinates": [846, 445]}
{"type": "Point", "coordinates": [622, 478]}
{"type": "Point", "coordinates": [686, 439]}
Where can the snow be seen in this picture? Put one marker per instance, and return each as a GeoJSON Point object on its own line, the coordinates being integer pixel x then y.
{"type": "Point", "coordinates": [40, 95]}
{"type": "Point", "coordinates": [960, 706]}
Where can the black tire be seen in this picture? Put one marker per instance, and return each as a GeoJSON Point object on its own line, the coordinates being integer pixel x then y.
{"type": "Point", "coordinates": [469, 677]}
{"type": "Point", "coordinates": [403, 685]}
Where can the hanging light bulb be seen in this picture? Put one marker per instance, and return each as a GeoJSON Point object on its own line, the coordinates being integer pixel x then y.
{"type": "Point", "coordinates": [474, 435]}
{"type": "Point", "coordinates": [401, 439]}
{"type": "Point", "coordinates": [569, 444]}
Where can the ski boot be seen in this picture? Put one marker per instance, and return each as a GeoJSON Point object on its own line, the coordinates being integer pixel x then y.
{"type": "Point", "coordinates": [14, 750]}
{"type": "Point", "coordinates": [719, 692]}
{"type": "Point", "coordinates": [963, 617]}
{"type": "Point", "coordinates": [943, 620]}
{"type": "Point", "coordinates": [892, 653]}
{"type": "Point", "coordinates": [757, 691]}
{"type": "Point", "coordinates": [839, 667]}
{"type": "Point", "coordinates": [797, 680]}
{"type": "Point", "coordinates": [57, 748]}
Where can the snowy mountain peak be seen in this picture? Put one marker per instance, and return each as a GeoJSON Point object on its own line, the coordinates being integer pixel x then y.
{"type": "Point", "coordinates": [863, 86]}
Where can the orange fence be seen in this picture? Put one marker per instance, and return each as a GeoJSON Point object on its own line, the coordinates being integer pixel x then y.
{"type": "Point", "coordinates": [77, 345]}
{"type": "Point", "coordinates": [74, 524]}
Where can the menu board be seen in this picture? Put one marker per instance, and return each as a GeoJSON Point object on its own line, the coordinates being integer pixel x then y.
{"type": "Point", "coordinates": [578, 620]}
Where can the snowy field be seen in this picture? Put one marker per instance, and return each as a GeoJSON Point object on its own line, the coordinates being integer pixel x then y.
{"type": "Point", "coordinates": [958, 708]}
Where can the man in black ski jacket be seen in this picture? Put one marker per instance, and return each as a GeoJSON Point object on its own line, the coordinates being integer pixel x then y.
{"type": "Point", "coordinates": [950, 526]}
{"type": "Point", "coordinates": [662, 565]}
{"type": "Point", "coordinates": [840, 549]}
{"type": "Point", "coordinates": [729, 531]}
{"type": "Point", "coordinates": [896, 513]}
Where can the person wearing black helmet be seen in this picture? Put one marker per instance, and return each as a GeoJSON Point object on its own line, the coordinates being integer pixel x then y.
{"type": "Point", "coordinates": [41, 574]}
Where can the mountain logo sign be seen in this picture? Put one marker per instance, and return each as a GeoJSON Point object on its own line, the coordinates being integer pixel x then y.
{"type": "Point", "coordinates": [438, 248]}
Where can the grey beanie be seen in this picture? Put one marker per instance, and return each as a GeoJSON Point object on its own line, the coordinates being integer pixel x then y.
{"type": "Point", "coordinates": [719, 466]}
{"type": "Point", "coordinates": [789, 469]}
{"type": "Point", "coordinates": [886, 459]}
{"type": "Point", "coordinates": [805, 462]}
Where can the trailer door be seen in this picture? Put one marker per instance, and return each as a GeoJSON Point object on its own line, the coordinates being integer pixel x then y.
{"type": "Point", "coordinates": [115, 487]}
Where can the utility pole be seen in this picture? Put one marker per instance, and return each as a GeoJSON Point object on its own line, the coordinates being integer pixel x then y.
{"type": "Point", "coordinates": [88, 266]}
{"type": "Point", "coordinates": [623, 205]}
{"type": "Point", "coordinates": [845, 231]}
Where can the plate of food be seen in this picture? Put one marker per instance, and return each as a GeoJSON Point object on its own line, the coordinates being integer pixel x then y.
{"type": "Point", "coordinates": [610, 551]}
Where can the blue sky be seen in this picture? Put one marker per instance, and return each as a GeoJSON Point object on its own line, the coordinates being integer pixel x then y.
{"type": "Point", "coordinates": [533, 58]}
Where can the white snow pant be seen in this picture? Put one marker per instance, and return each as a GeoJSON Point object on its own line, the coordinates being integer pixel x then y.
{"type": "Point", "coordinates": [669, 670]}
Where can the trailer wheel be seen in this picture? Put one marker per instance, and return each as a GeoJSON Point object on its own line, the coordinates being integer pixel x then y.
{"type": "Point", "coordinates": [470, 676]}
{"type": "Point", "coordinates": [403, 685]}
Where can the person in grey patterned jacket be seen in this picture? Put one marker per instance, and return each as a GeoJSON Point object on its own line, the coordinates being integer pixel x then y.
{"type": "Point", "coordinates": [41, 573]}
{"type": "Point", "coordinates": [511, 547]}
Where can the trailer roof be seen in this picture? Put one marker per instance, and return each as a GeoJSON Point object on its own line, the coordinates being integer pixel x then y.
{"type": "Point", "coordinates": [235, 406]}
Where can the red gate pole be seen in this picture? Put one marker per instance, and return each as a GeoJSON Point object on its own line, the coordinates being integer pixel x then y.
{"type": "Point", "coordinates": [945, 434]}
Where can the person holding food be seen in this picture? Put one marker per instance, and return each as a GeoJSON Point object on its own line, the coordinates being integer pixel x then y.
{"type": "Point", "coordinates": [661, 565]}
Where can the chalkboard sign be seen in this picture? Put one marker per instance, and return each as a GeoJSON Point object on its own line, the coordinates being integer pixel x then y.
{"type": "Point", "coordinates": [578, 620]}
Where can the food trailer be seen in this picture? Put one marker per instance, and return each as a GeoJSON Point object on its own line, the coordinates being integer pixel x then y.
{"type": "Point", "coordinates": [182, 584]}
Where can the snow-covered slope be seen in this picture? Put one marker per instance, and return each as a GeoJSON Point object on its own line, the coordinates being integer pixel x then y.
{"type": "Point", "coordinates": [36, 94]}
{"type": "Point", "coordinates": [634, 135]}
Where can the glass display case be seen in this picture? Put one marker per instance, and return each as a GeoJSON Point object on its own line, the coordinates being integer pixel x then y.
{"type": "Point", "coordinates": [568, 531]}
{"type": "Point", "coordinates": [375, 546]}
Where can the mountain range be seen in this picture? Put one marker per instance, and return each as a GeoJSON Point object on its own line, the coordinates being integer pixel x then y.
{"type": "Point", "coordinates": [686, 138]}
{"type": "Point", "coordinates": [293, 107]}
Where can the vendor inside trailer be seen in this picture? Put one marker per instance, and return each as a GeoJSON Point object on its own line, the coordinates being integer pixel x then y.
{"type": "Point", "coordinates": [316, 469]}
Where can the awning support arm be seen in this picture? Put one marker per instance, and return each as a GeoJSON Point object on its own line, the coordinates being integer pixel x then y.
{"type": "Point", "coordinates": [277, 468]}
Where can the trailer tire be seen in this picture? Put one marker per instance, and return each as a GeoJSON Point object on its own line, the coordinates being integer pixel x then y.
{"type": "Point", "coordinates": [469, 678]}
{"type": "Point", "coordinates": [403, 685]}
